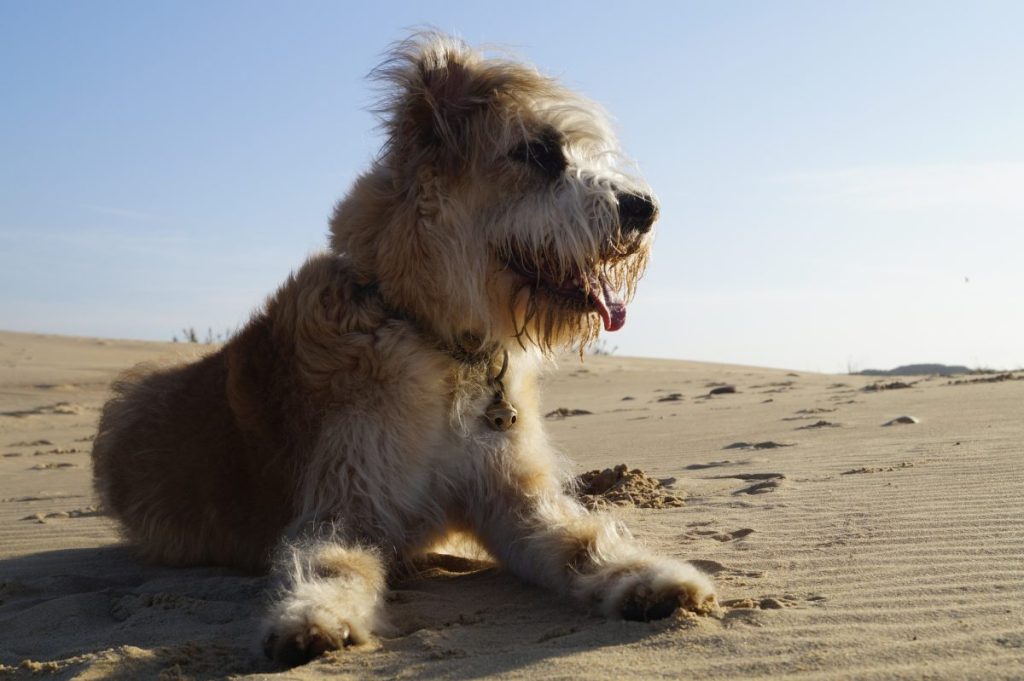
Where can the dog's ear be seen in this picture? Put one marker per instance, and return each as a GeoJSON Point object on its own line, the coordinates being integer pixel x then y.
{"type": "Point", "coordinates": [435, 86]}
{"type": "Point", "coordinates": [439, 101]}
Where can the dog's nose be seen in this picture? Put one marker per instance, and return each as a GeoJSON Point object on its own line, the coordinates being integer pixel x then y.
{"type": "Point", "coordinates": [637, 212]}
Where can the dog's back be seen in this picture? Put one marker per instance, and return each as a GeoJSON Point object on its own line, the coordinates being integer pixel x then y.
{"type": "Point", "coordinates": [190, 462]}
{"type": "Point", "coordinates": [210, 462]}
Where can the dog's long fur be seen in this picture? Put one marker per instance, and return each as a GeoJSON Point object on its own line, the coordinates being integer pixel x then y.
{"type": "Point", "coordinates": [343, 430]}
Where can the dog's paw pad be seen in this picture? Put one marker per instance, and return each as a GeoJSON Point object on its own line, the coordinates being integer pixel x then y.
{"type": "Point", "coordinates": [298, 648]}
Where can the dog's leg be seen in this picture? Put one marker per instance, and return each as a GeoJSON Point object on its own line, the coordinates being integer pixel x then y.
{"type": "Point", "coordinates": [622, 579]}
{"type": "Point", "coordinates": [550, 539]}
{"type": "Point", "coordinates": [331, 597]}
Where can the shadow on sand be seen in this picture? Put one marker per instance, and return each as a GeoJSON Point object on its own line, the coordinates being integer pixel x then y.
{"type": "Point", "coordinates": [101, 609]}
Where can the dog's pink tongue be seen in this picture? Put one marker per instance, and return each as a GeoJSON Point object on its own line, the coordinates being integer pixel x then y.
{"type": "Point", "coordinates": [609, 304]}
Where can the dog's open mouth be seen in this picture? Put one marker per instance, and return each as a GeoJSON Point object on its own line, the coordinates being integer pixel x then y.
{"type": "Point", "coordinates": [588, 291]}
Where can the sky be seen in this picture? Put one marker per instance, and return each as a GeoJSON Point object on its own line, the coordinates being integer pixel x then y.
{"type": "Point", "coordinates": [841, 183]}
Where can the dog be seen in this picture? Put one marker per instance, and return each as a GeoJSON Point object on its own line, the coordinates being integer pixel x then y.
{"type": "Point", "coordinates": [386, 396]}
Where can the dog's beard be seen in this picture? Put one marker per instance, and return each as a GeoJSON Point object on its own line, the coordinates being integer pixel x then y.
{"type": "Point", "coordinates": [548, 321]}
{"type": "Point", "coordinates": [567, 307]}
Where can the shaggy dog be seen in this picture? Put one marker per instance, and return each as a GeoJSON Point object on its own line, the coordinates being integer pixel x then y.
{"type": "Point", "coordinates": [386, 396]}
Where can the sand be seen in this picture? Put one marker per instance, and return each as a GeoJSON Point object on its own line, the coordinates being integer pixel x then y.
{"type": "Point", "coordinates": [846, 550]}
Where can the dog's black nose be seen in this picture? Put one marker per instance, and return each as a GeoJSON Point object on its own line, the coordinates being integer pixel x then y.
{"type": "Point", "coordinates": [637, 212]}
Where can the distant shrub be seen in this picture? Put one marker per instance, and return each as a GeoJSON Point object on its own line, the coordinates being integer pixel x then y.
{"type": "Point", "coordinates": [601, 349]}
{"type": "Point", "coordinates": [189, 335]}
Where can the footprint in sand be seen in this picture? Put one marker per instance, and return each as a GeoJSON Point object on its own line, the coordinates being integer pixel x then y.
{"type": "Point", "coordinates": [748, 610]}
{"type": "Point", "coordinates": [808, 414]}
{"type": "Point", "coordinates": [60, 409]}
{"type": "Point", "coordinates": [43, 518]}
{"type": "Point", "coordinates": [774, 387]}
{"type": "Point", "coordinates": [902, 420]}
{"type": "Point", "coordinates": [564, 413]}
{"type": "Point", "coordinates": [714, 464]}
{"type": "Point", "coordinates": [707, 533]}
{"type": "Point", "coordinates": [720, 571]}
{"type": "Point", "coordinates": [41, 498]}
{"type": "Point", "coordinates": [55, 386]}
{"type": "Point", "coordinates": [762, 603]}
{"type": "Point", "coordinates": [34, 443]}
{"type": "Point", "coordinates": [766, 482]}
{"type": "Point", "coordinates": [60, 450]}
{"type": "Point", "coordinates": [820, 424]}
{"type": "Point", "coordinates": [761, 487]}
{"type": "Point", "coordinates": [768, 444]}
{"type": "Point", "coordinates": [886, 469]}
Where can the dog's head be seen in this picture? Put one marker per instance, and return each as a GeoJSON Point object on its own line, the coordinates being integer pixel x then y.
{"type": "Point", "coordinates": [498, 206]}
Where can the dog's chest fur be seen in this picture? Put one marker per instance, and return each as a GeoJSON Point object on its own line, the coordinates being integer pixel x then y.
{"type": "Point", "coordinates": [400, 466]}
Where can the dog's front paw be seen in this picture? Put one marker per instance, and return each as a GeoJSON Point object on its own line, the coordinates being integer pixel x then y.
{"type": "Point", "coordinates": [652, 591]}
{"type": "Point", "coordinates": [643, 603]}
{"type": "Point", "coordinates": [304, 626]}
{"type": "Point", "coordinates": [292, 645]}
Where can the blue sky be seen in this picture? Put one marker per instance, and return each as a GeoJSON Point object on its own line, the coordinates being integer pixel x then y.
{"type": "Point", "coordinates": [842, 183]}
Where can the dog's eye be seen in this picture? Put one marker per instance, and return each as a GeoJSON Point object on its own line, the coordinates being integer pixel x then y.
{"type": "Point", "coordinates": [545, 155]}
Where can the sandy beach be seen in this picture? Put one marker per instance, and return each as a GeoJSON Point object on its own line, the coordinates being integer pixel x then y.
{"type": "Point", "coordinates": [842, 547]}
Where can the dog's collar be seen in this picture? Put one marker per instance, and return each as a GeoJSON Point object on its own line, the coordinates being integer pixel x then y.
{"type": "Point", "coordinates": [471, 351]}
{"type": "Point", "coordinates": [467, 349]}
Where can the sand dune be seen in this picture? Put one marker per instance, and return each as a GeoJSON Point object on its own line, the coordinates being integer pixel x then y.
{"type": "Point", "coordinates": [842, 547]}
